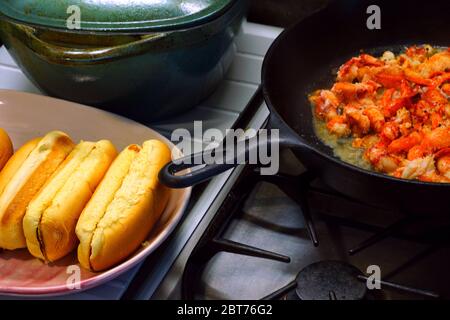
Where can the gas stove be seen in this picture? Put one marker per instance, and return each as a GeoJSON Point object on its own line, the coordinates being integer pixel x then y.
{"type": "Point", "coordinates": [290, 237]}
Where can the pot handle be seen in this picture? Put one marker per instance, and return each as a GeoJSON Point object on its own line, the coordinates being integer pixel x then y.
{"type": "Point", "coordinates": [85, 55]}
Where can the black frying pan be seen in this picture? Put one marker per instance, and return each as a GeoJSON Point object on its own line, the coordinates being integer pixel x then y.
{"type": "Point", "coordinates": [301, 60]}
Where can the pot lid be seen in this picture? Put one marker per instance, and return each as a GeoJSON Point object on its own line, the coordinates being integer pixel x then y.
{"type": "Point", "coordinates": [114, 15]}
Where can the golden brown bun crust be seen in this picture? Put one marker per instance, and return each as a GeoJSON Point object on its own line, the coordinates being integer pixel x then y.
{"type": "Point", "coordinates": [15, 162]}
{"type": "Point", "coordinates": [104, 194]}
{"type": "Point", "coordinates": [6, 148]}
{"type": "Point", "coordinates": [40, 164]}
{"type": "Point", "coordinates": [129, 217]}
{"type": "Point", "coordinates": [50, 221]}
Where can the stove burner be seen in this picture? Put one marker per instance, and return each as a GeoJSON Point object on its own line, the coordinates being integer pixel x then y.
{"type": "Point", "coordinates": [335, 280]}
{"type": "Point", "coordinates": [330, 280]}
{"type": "Point", "coordinates": [325, 280]}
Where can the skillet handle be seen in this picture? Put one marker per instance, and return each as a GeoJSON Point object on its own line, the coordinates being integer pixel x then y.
{"type": "Point", "coordinates": [168, 175]}
{"type": "Point", "coordinates": [247, 149]}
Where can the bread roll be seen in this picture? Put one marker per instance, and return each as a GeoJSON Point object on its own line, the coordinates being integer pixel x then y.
{"type": "Point", "coordinates": [124, 208]}
{"type": "Point", "coordinates": [6, 148]}
{"type": "Point", "coordinates": [51, 217]}
{"type": "Point", "coordinates": [22, 178]}
{"type": "Point", "coordinates": [15, 162]}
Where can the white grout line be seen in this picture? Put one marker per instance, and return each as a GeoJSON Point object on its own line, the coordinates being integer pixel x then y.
{"type": "Point", "coordinates": [10, 68]}
{"type": "Point", "coordinates": [250, 56]}
{"type": "Point", "coordinates": [250, 83]}
{"type": "Point", "coordinates": [243, 83]}
{"type": "Point", "coordinates": [255, 29]}
{"type": "Point", "coordinates": [227, 112]}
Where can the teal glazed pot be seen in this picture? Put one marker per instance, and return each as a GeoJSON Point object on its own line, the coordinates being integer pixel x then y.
{"type": "Point", "coordinates": [144, 69]}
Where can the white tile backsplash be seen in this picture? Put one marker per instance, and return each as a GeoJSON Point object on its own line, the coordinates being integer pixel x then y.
{"type": "Point", "coordinates": [5, 58]}
{"type": "Point", "coordinates": [231, 95]}
{"type": "Point", "coordinates": [13, 79]}
{"type": "Point", "coordinates": [246, 68]}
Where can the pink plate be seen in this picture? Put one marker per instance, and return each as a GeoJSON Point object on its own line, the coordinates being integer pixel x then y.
{"type": "Point", "coordinates": [26, 116]}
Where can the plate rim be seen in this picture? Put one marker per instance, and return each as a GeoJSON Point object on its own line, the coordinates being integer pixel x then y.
{"type": "Point", "coordinates": [116, 271]}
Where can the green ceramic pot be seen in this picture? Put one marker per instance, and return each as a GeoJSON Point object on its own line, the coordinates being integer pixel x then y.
{"type": "Point", "coordinates": [144, 69]}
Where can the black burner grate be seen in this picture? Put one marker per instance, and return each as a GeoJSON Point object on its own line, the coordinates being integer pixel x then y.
{"type": "Point", "coordinates": [300, 188]}
{"type": "Point", "coordinates": [336, 280]}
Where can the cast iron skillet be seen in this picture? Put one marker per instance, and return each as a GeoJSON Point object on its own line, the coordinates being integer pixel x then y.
{"type": "Point", "coordinates": [301, 60]}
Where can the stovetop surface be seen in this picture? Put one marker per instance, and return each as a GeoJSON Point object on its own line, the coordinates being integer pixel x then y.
{"type": "Point", "coordinates": [272, 221]}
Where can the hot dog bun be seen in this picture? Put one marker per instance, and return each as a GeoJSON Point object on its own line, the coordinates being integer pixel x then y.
{"type": "Point", "coordinates": [124, 208]}
{"type": "Point", "coordinates": [6, 148]}
{"type": "Point", "coordinates": [22, 178]}
{"type": "Point", "coordinates": [15, 162]}
{"type": "Point", "coordinates": [51, 217]}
